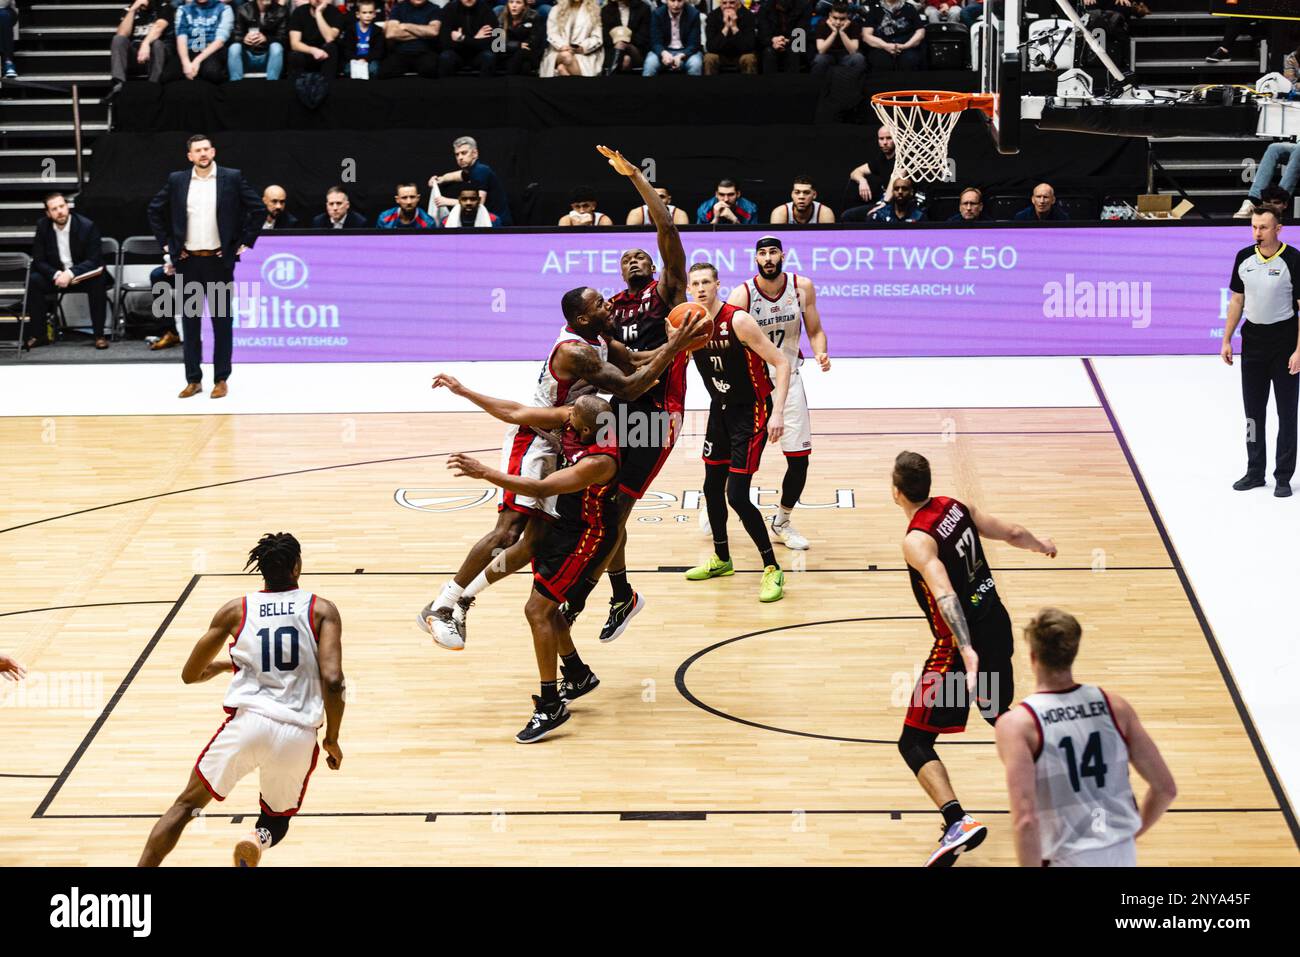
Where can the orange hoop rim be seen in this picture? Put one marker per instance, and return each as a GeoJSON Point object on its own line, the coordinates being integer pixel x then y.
{"type": "Point", "coordinates": [936, 101]}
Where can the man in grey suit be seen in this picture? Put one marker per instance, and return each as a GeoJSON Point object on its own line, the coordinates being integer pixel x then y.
{"type": "Point", "coordinates": [204, 218]}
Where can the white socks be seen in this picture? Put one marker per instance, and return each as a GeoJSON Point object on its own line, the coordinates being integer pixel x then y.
{"type": "Point", "coordinates": [448, 596]}
{"type": "Point", "coordinates": [477, 585]}
{"type": "Point", "coordinates": [782, 515]}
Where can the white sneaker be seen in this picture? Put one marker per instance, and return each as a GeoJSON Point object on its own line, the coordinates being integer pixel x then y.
{"type": "Point", "coordinates": [248, 852]}
{"type": "Point", "coordinates": [442, 626]}
{"type": "Point", "coordinates": [705, 528]}
{"type": "Point", "coordinates": [1247, 209]}
{"type": "Point", "coordinates": [789, 535]}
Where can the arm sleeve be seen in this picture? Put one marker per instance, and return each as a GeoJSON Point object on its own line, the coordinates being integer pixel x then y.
{"type": "Point", "coordinates": [1234, 281]}
{"type": "Point", "coordinates": [227, 25]}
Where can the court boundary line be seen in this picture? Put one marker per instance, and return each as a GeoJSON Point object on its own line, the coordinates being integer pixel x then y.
{"type": "Point", "coordinates": [677, 569]}
{"type": "Point", "coordinates": [114, 699]}
{"type": "Point", "coordinates": [95, 604]}
{"type": "Point", "coordinates": [1252, 733]}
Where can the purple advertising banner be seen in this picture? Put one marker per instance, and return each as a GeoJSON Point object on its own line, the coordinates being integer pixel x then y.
{"type": "Point", "coordinates": [898, 292]}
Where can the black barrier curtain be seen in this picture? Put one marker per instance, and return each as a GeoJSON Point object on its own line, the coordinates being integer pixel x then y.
{"type": "Point", "coordinates": [541, 167]}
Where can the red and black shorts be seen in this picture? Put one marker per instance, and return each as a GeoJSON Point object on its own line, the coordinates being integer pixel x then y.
{"type": "Point", "coordinates": [568, 553]}
{"type": "Point", "coordinates": [940, 702]}
{"type": "Point", "coordinates": [736, 434]}
{"type": "Point", "coordinates": [646, 436]}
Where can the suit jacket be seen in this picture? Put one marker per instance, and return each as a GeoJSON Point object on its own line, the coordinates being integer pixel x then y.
{"type": "Point", "coordinates": [353, 220]}
{"type": "Point", "coordinates": [661, 30]}
{"type": "Point", "coordinates": [638, 21]}
{"type": "Point", "coordinates": [286, 220]}
{"type": "Point", "coordinates": [87, 254]}
{"type": "Point", "coordinates": [240, 213]}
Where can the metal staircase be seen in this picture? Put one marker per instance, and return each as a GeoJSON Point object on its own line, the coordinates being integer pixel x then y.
{"type": "Point", "coordinates": [62, 48]}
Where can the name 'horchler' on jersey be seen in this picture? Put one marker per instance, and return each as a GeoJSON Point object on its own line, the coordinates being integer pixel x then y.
{"type": "Point", "coordinates": [948, 522]}
{"type": "Point", "coordinates": [732, 372]}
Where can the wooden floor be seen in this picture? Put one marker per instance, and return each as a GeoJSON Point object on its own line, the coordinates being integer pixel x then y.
{"type": "Point", "coordinates": [763, 733]}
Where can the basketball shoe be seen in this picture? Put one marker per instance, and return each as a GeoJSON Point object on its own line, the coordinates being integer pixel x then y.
{"type": "Point", "coordinates": [964, 835]}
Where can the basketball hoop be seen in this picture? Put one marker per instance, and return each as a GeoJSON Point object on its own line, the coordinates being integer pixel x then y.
{"type": "Point", "coordinates": [921, 122]}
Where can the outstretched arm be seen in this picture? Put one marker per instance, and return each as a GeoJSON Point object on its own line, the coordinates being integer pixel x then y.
{"type": "Point", "coordinates": [1017, 739]}
{"type": "Point", "coordinates": [922, 554]}
{"type": "Point", "coordinates": [591, 470]}
{"type": "Point", "coordinates": [672, 283]}
{"type": "Point", "coordinates": [992, 527]}
{"type": "Point", "coordinates": [514, 413]}
{"type": "Point", "coordinates": [201, 666]}
{"type": "Point", "coordinates": [812, 321]}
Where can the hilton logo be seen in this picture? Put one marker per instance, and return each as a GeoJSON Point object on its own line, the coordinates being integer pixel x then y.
{"type": "Point", "coordinates": [284, 271]}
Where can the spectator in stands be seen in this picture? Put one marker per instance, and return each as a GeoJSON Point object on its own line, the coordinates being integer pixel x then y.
{"type": "Point", "coordinates": [574, 45]}
{"type": "Point", "coordinates": [469, 210]}
{"type": "Point", "coordinates": [466, 37]}
{"type": "Point", "coordinates": [1042, 206]}
{"type": "Point", "coordinates": [339, 213]}
{"type": "Point", "coordinates": [783, 29]}
{"type": "Point", "coordinates": [675, 40]}
{"type": "Point", "coordinates": [1291, 66]}
{"type": "Point", "coordinates": [732, 36]}
{"type": "Point", "coordinates": [277, 217]}
{"type": "Point", "coordinates": [203, 27]}
{"type": "Point", "coordinates": [261, 32]}
{"type": "Point", "coordinates": [66, 257]}
{"type": "Point", "coordinates": [1233, 28]}
{"type": "Point", "coordinates": [411, 30]}
{"type": "Point", "coordinates": [803, 207]}
{"type": "Point", "coordinates": [901, 207]}
{"type": "Point", "coordinates": [973, 10]}
{"type": "Point", "coordinates": [894, 32]}
{"type": "Point", "coordinates": [472, 170]}
{"type": "Point", "coordinates": [142, 41]}
{"type": "Point", "coordinates": [1285, 155]}
{"type": "Point", "coordinates": [640, 215]}
{"type": "Point", "coordinates": [360, 41]}
{"type": "Point", "coordinates": [582, 210]}
{"type": "Point", "coordinates": [950, 10]}
{"type": "Point", "coordinates": [522, 27]}
{"type": "Point", "coordinates": [8, 24]}
{"type": "Point", "coordinates": [727, 207]}
{"type": "Point", "coordinates": [970, 207]}
{"type": "Point", "coordinates": [868, 180]}
{"type": "Point", "coordinates": [407, 214]}
{"type": "Point", "coordinates": [314, 29]}
{"type": "Point", "coordinates": [1277, 199]}
{"type": "Point", "coordinates": [630, 19]}
{"type": "Point", "coordinates": [838, 39]}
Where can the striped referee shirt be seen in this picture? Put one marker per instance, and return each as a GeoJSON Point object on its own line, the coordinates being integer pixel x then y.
{"type": "Point", "coordinates": [1271, 285]}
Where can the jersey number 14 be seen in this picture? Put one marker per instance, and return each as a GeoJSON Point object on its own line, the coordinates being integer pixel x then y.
{"type": "Point", "coordinates": [1092, 764]}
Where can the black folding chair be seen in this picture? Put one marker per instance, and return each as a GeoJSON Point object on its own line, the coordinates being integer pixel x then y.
{"type": "Point", "coordinates": [15, 268]}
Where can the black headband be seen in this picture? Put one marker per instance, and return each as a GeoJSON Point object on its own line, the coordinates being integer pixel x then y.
{"type": "Point", "coordinates": [767, 241]}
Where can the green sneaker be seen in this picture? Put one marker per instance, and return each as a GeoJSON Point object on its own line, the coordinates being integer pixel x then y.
{"type": "Point", "coordinates": [773, 587]}
{"type": "Point", "coordinates": [715, 567]}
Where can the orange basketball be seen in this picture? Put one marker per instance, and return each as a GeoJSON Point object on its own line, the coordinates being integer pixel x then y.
{"type": "Point", "coordinates": [686, 312]}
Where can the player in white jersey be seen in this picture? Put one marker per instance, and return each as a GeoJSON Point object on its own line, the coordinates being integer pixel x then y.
{"type": "Point", "coordinates": [640, 215]}
{"type": "Point", "coordinates": [583, 360]}
{"type": "Point", "coordinates": [286, 654]}
{"type": "Point", "coordinates": [782, 304]}
{"type": "Point", "coordinates": [1067, 748]}
{"type": "Point", "coordinates": [803, 207]}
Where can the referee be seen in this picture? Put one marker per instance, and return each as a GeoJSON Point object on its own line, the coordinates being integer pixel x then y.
{"type": "Point", "coordinates": [1265, 286]}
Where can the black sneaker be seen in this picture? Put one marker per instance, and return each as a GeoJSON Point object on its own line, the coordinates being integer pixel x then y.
{"type": "Point", "coordinates": [619, 615]}
{"type": "Point", "coordinates": [1219, 56]}
{"type": "Point", "coordinates": [546, 718]}
{"type": "Point", "coordinates": [574, 686]}
{"type": "Point", "coordinates": [569, 614]}
{"type": "Point", "coordinates": [1283, 490]}
{"type": "Point", "coordinates": [1248, 482]}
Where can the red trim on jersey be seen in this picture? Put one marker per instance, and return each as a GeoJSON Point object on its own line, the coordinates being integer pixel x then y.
{"type": "Point", "coordinates": [311, 618]}
{"type": "Point", "coordinates": [747, 296]}
{"type": "Point", "coordinates": [675, 387]}
{"type": "Point", "coordinates": [238, 631]}
{"type": "Point", "coordinates": [211, 789]}
{"type": "Point", "coordinates": [754, 453]}
{"type": "Point", "coordinates": [523, 439]}
{"type": "Point", "coordinates": [797, 455]}
{"type": "Point", "coordinates": [1039, 725]}
{"type": "Point", "coordinates": [674, 428]}
{"type": "Point", "coordinates": [301, 794]}
{"type": "Point", "coordinates": [717, 461]}
{"type": "Point", "coordinates": [1111, 709]}
{"type": "Point", "coordinates": [784, 286]}
{"type": "Point", "coordinates": [1074, 687]}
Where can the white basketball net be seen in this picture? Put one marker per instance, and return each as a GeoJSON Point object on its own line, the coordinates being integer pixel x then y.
{"type": "Point", "coordinates": [920, 136]}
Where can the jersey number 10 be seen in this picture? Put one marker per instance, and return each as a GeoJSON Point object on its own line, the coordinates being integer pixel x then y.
{"type": "Point", "coordinates": [289, 632]}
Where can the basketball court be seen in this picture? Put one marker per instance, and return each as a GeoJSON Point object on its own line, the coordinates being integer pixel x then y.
{"type": "Point", "coordinates": [724, 731]}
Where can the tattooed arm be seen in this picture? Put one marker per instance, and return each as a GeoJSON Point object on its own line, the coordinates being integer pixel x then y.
{"type": "Point", "coordinates": [922, 554]}
{"type": "Point", "coordinates": [574, 360]}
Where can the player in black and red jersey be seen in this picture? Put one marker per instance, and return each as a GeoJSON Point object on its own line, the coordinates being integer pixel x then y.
{"type": "Point", "coordinates": [572, 547]}
{"type": "Point", "coordinates": [734, 367]}
{"type": "Point", "coordinates": [972, 648]}
{"type": "Point", "coordinates": [648, 425]}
